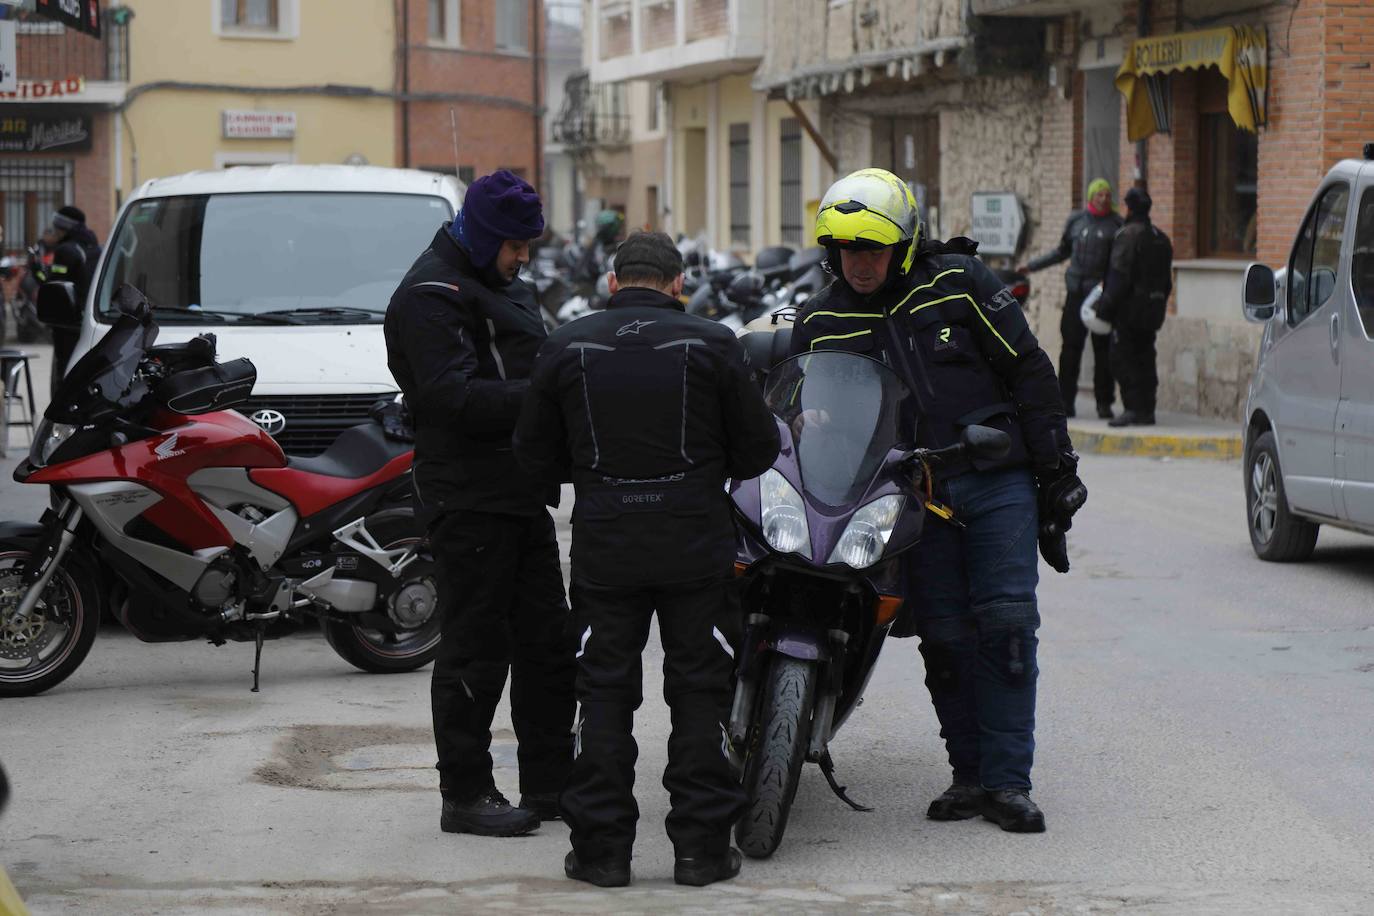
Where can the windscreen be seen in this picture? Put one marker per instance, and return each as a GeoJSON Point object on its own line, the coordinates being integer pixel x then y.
{"type": "Point", "coordinates": [103, 379]}
{"type": "Point", "coordinates": [844, 411]}
{"type": "Point", "coordinates": [247, 254]}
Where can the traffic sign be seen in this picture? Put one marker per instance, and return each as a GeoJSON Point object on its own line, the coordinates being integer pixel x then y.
{"type": "Point", "coordinates": [997, 222]}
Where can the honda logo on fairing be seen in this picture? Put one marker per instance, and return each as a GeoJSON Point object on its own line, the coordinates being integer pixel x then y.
{"type": "Point", "coordinates": [271, 421]}
{"type": "Point", "coordinates": [168, 448]}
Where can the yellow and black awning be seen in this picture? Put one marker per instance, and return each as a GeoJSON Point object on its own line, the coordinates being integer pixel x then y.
{"type": "Point", "coordinates": [1241, 53]}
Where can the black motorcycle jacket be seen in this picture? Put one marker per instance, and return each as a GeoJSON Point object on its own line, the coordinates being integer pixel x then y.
{"type": "Point", "coordinates": [74, 261]}
{"type": "Point", "coordinates": [462, 352]}
{"type": "Point", "coordinates": [1136, 293]}
{"type": "Point", "coordinates": [1087, 245]}
{"type": "Point", "coordinates": [959, 339]}
{"type": "Point", "coordinates": [648, 411]}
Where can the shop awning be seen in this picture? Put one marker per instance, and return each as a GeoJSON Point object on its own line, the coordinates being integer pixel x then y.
{"type": "Point", "coordinates": [1241, 53]}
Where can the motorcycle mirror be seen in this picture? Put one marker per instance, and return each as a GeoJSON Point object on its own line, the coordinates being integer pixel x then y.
{"type": "Point", "coordinates": [983, 443]}
{"type": "Point", "coordinates": [130, 301]}
{"type": "Point", "coordinates": [57, 305]}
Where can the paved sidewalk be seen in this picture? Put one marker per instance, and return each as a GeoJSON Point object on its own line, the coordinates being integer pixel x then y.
{"type": "Point", "coordinates": [1174, 435]}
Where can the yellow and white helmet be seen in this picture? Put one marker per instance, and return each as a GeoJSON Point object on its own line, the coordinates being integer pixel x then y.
{"type": "Point", "coordinates": [870, 208]}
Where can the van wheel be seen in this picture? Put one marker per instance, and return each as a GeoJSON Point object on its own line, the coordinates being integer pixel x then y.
{"type": "Point", "coordinates": [1275, 533]}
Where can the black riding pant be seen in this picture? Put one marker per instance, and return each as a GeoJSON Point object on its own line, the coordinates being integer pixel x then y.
{"type": "Point", "coordinates": [501, 589]}
{"type": "Point", "coordinates": [1075, 334]}
{"type": "Point", "coordinates": [699, 625]}
{"type": "Point", "coordinates": [1133, 361]}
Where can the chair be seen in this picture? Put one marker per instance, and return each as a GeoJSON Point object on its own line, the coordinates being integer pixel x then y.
{"type": "Point", "coordinates": [12, 364]}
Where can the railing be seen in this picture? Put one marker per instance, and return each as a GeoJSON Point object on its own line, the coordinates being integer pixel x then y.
{"type": "Point", "coordinates": [592, 114]}
{"type": "Point", "coordinates": [49, 51]}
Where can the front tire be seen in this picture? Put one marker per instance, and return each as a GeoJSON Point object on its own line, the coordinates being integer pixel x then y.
{"type": "Point", "coordinates": [398, 648]}
{"type": "Point", "coordinates": [777, 750]}
{"type": "Point", "coordinates": [1276, 534]}
{"type": "Point", "coordinates": [42, 650]}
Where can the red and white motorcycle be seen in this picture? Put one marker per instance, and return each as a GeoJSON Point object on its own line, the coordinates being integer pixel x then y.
{"type": "Point", "coordinates": [190, 522]}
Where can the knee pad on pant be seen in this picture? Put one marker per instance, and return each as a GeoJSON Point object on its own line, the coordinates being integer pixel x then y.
{"type": "Point", "coordinates": [1008, 632]}
{"type": "Point", "coordinates": [946, 645]}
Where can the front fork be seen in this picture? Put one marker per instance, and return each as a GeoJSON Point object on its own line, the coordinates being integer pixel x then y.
{"type": "Point", "coordinates": [47, 557]}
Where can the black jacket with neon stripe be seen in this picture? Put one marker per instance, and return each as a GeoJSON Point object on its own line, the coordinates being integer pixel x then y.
{"type": "Point", "coordinates": [959, 338]}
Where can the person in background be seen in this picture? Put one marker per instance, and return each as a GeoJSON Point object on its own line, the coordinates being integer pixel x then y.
{"type": "Point", "coordinates": [1086, 244]}
{"type": "Point", "coordinates": [75, 253]}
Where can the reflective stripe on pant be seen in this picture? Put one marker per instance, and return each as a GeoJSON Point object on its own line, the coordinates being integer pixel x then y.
{"type": "Point", "coordinates": [976, 610]}
{"type": "Point", "coordinates": [699, 627]}
{"type": "Point", "coordinates": [1075, 335]}
{"type": "Point", "coordinates": [501, 590]}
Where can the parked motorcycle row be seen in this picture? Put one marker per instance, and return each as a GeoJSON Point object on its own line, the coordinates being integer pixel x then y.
{"type": "Point", "coordinates": [188, 522]}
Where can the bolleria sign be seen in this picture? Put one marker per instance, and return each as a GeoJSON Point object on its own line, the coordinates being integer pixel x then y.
{"type": "Point", "coordinates": [997, 222]}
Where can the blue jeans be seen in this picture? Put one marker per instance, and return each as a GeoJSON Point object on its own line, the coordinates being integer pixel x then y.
{"type": "Point", "coordinates": [973, 590]}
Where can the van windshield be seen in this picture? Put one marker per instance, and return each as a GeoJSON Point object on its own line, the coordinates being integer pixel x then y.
{"type": "Point", "coordinates": [279, 257]}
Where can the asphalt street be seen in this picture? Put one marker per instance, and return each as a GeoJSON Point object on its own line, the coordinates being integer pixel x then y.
{"type": "Point", "coordinates": [1204, 747]}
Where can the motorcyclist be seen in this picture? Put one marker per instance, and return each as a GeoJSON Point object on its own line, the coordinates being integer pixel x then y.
{"type": "Point", "coordinates": [75, 251]}
{"type": "Point", "coordinates": [940, 318]}
{"type": "Point", "coordinates": [461, 335]}
{"type": "Point", "coordinates": [1086, 244]}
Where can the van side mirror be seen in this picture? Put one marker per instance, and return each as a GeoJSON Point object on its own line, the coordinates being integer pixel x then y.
{"type": "Point", "coordinates": [1259, 296]}
{"type": "Point", "coordinates": [57, 304]}
{"type": "Point", "coordinates": [985, 444]}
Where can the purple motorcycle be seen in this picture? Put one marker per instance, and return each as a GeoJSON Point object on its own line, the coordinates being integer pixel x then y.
{"type": "Point", "coordinates": [818, 555]}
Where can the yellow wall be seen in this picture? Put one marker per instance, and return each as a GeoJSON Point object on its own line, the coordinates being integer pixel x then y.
{"type": "Point", "coordinates": [345, 42]}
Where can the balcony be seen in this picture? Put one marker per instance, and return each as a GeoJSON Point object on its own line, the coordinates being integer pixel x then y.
{"type": "Point", "coordinates": [49, 53]}
{"type": "Point", "coordinates": [592, 116]}
{"type": "Point", "coordinates": [674, 39]}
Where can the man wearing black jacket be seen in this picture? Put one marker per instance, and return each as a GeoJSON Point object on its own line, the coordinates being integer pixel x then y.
{"type": "Point", "coordinates": [75, 253]}
{"type": "Point", "coordinates": [462, 333]}
{"type": "Point", "coordinates": [648, 411]}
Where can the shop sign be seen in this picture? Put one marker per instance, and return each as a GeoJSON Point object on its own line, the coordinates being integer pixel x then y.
{"type": "Point", "coordinates": [40, 132]}
{"type": "Point", "coordinates": [997, 222]}
{"type": "Point", "coordinates": [9, 53]}
{"type": "Point", "coordinates": [82, 15]}
{"type": "Point", "coordinates": [259, 125]}
{"type": "Point", "coordinates": [47, 89]}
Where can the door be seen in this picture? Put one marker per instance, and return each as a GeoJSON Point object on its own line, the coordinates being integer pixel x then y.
{"type": "Point", "coordinates": [1307, 355]}
{"type": "Point", "coordinates": [1102, 127]}
{"type": "Point", "coordinates": [1355, 414]}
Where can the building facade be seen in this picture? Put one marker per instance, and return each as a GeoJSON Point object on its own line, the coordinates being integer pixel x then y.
{"type": "Point", "coordinates": [57, 129]}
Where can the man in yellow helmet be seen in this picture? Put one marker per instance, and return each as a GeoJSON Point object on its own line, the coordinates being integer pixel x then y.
{"type": "Point", "coordinates": [935, 314]}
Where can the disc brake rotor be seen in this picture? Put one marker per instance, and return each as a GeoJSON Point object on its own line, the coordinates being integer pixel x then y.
{"type": "Point", "coordinates": [414, 604]}
{"type": "Point", "coordinates": [22, 637]}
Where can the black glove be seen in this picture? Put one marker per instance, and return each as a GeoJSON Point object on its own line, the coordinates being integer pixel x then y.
{"type": "Point", "coordinates": [1062, 494]}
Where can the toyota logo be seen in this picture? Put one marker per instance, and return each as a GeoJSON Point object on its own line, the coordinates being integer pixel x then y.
{"type": "Point", "coordinates": [271, 421]}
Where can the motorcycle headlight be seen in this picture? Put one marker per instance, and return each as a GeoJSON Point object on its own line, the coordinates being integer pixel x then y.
{"type": "Point", "coordinates": [47, 439]}
{"type": "Point", "coordinates": [866, 535]}
{"type": "Point", "coordinates": [784, 515]}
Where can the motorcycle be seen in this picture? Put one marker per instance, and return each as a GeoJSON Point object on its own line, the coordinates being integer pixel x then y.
{"type": "Point", "coordinates": [821, 536]}
{"type": "Point", "coordinates": [192, 523]}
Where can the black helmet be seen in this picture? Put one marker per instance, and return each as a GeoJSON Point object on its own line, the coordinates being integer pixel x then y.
{"type": "Point", "coordinates": [746, 289]}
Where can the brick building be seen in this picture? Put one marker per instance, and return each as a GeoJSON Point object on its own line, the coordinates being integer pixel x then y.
{"type": "Point", "coordinates": [56, 129]}
{"type": "Point", "coordinates": [479, 61]}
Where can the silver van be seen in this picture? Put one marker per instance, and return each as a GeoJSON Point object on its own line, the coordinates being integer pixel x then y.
{"type": "Point", "coordinates": [1309, 415]}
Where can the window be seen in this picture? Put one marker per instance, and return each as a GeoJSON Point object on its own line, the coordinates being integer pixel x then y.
{"type": "Point", "coordinates": [1362, 262]}
{"type": "Point", "coordinates": [30, 190]}
{"type": "Point", "coordinates": [790, 185]}
{"type": "Point", "coordinates": [444, 19]}
{"type": "Point", "coordinates": [512, 25]}
{"type": "Point", "coordinates": [1317, 255]}
{"type": "Point", "coordinates": [655, 105]}
{"type": "Point", "coordinates": [1228, 176]}
{"type": "Point", "coordinates": [739, 184]}
{"type": "Point", "coordinates": [256, 18]}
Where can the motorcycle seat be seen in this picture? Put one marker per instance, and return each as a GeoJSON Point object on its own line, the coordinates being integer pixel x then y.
{"type": "Point", "coordinates": [360, 459]}
{"type": "Point", "coordinates": [359, 451]}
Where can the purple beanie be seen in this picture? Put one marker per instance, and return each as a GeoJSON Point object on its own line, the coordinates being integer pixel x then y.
{"type": "Point", "coordinates": [497, 207]}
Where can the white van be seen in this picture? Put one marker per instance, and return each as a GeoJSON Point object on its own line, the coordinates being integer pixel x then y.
{"type": "Point", "coordinates": [291, 266]}
{"type": "Point", "coordinates": [1309, 417]}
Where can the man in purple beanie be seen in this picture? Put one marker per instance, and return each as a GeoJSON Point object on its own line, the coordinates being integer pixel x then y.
{"type": "Point", "coordinates": [462, 332]}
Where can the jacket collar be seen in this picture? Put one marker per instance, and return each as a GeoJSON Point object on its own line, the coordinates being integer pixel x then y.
{"type": "Point", "coordinates": [1138, 218]}
{"type": "Point", "coordinates": [639, 296]}
{"type": "Point", "coordinates": [451, 253]}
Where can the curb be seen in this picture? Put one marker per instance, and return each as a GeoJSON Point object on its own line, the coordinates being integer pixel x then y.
{"type": "Point", "coordinates": [1222, 448]}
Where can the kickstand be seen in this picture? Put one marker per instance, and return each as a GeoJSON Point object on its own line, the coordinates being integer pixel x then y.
{"type": "Point", "coordinates": [828, 770]}
{"type": "Point", "coordinates": [257, 657]}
